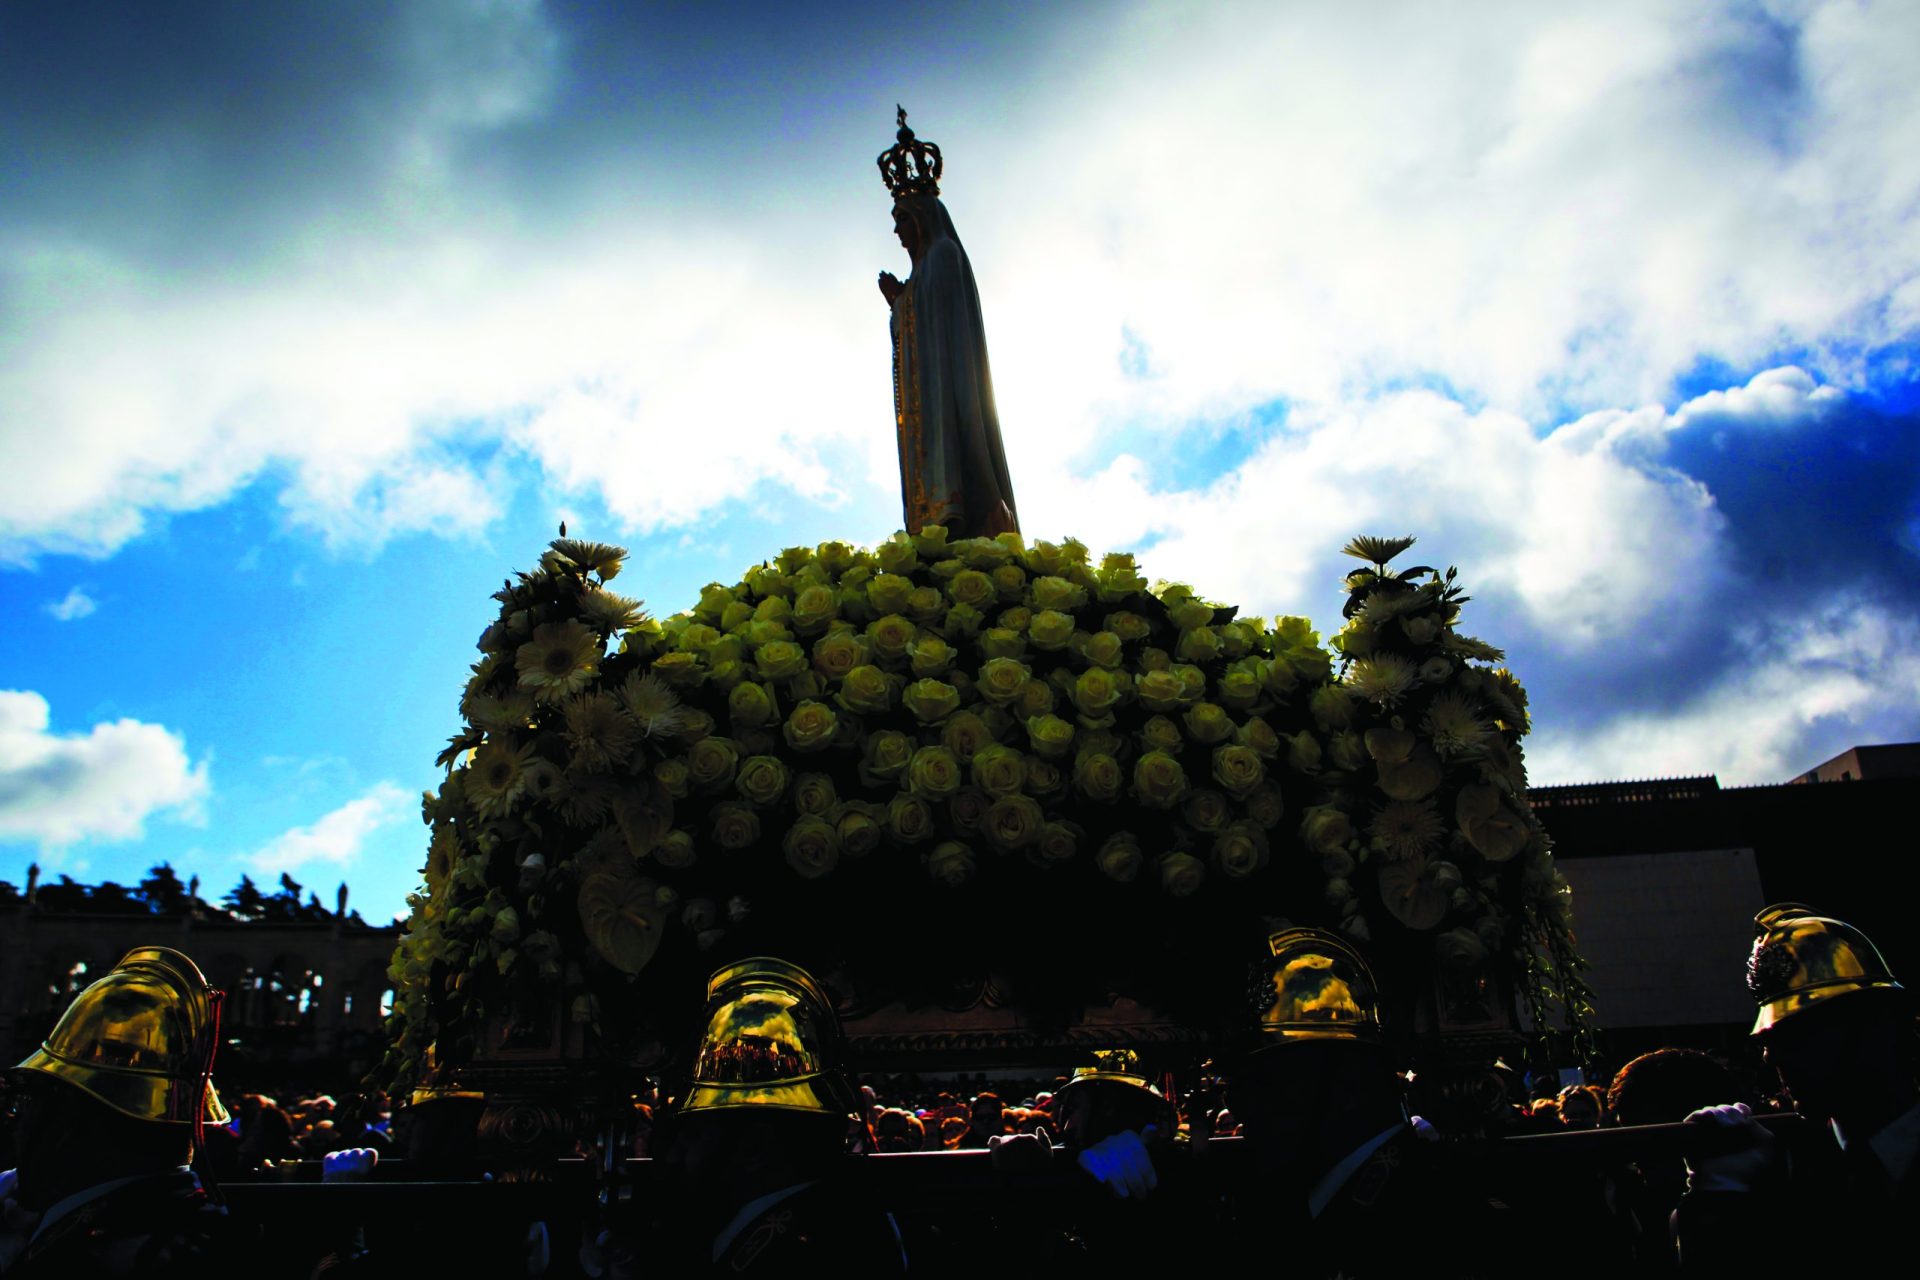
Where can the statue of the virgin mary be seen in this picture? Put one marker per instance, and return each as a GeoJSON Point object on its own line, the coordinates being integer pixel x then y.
{"type": "Point", "coordinates": [953, 470]}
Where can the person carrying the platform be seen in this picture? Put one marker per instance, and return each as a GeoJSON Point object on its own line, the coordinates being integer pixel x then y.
{"type": "Point", "coordinates": [1839, 1030]}
{"type": "Point", "coordinates": [1345, 1185]}
{"type": "Point", "coordinates": [754, 1161]}
{"type": "Point", "coordinates": [105, 1116]}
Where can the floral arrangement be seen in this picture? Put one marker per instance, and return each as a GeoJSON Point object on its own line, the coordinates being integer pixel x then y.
{"type": "Point", "coordinates": [882, 760]}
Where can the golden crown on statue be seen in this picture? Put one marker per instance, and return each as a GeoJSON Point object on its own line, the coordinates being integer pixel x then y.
{"type": "Point", "coordinates": [910, 167]}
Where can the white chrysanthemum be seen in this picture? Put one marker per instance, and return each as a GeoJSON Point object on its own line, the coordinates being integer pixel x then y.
{"type": "Point", "coordinates": [1467, 647]}
{"type": "Point", "coordinates": [610, 612]}
{"type": "Point", "coordinates": [1452, 725]}
{"type": "Point", "coordinates": [654, 706]}
{"type": "Point", "coordinates": [1407, 829]}
{"type": "Point", "coordinates": [600, 733]}
{"type": "Point", "coordinates": [1381, 678]}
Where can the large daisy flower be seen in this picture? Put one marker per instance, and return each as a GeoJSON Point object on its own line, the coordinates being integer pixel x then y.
{"type": "Point", "coordinates": [497, 776]}
{"type": "Point", "coordinates": [600, 733]}
{"type": "Point", "coordinates": [590, 557]}
{"type": "Point", "coordinates": [561, 659]}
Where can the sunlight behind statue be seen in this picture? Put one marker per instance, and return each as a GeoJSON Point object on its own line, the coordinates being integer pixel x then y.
{"type": "Point", "coordinates": [953, 469]}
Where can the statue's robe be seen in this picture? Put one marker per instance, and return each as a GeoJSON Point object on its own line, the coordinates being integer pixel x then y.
{"type": "Point", "coordinates": [953, 469]}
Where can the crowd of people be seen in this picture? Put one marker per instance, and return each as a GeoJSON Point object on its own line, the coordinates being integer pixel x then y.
{"type": "Point", "coordinates": [1346, 1165]}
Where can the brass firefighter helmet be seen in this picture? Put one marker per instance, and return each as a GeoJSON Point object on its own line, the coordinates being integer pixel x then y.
{"type": "Point", "coordinates": [1801, 959]}
{"type": "Point", "coordinates": [1111, 1066]}
{"type": "Point", "coordinates": [141, 1040]}
{"type": "Point", "coordinates": [1314, 986]}
{"type": "Point", "coordinates": [772, 1042]}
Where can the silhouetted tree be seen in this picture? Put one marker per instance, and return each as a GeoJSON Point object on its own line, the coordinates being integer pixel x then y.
{"type": "Point", "coordinates": [110, 898]}
{"type": "Point", "coordinates": [64, 894]}
{"type": "Point", "coordinates": [163, 891]}
{"type": "Point", "coordinates": [245, 900]}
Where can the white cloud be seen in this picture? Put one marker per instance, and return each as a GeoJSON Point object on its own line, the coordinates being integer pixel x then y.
{"type": "Point", "coordinates": [335, 838]}
{"type": "Point", "coordinates": [75, 604]}
{"type": "Point", "coordinates": [57, 789]}
{"type": "Point", "coordinates": [1532, 204]}
{"type": "Point", "coordinates": [1848, 673]}
{"type": "Point", "coordinates": [1586, 543]}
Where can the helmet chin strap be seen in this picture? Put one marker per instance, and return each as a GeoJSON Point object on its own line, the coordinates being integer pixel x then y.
{"type": "Point", "coordinates": [215, 999]}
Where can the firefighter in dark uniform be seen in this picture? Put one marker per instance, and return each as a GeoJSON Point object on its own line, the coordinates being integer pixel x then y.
{"type": "Point", "coordinates": [754, 1171]}
{"type": "Point", "coordinates": [1345, 1186]}
{"type": "Point", "coordinates": [106, 1113]}
{"type": "Point", "coordinates": [1839, 1030]}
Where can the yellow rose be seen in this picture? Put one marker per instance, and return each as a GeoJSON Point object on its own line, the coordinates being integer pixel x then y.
{"type": "Point", "coordinates": [1104, 649]}
{"type": "Point", "coordinates": [1160, 690]}
{"type": "Point", "coordinates": [1119, 857]}
{"type": "Point", "coordinates": [964, 733]}
{"type": "Point", "coordinates": [867, 690]}
{"type": "Point", "coordinates": [950, 863]}
{"type": "Point", "coordinates": [930, 701]}
{"type": "Point", "coordinates": [1013, 822]}
{"type": "Point", "coordinates": [672, 774]}
{"type": "Point", "coordinates": [933, 773]}
{"type": "Point", "coordinates": [858, 828]}
{"type": "Point", "coordinates": [1160, 734]}
{"type": "Point", "coordinates": [1240, 850]}
{"type": "Point", "coordinates": [887, 754]}
{"type": "Point", "coordinates": [814, 795]}
{"type": "Point", "coordinates": [1201, 644]}
{"type": "Point", "coordinates": [999, 770]}
{"type": "Point", "coordinates": [888, 592]}
{"type": "Point", "coordinates": [1050, 630]}
{"type": "Point", "coordinates": [1332, 707]}
{"type": "Point", "coordinates": [890, 638]}
{"type": "Point", "coordinates": [1207, 723]}
{"type": "Point", "coordinates": [1205, 810]}
{"type": "Point", "coordinates": [1002, 680]}
{"type": "Point", "coordinates": [710, 764]}
{"type": "Point", "coordinates": [1266, 805]}
{"type": "Point", "coordinates": [1158, 780]}
{"type": "Point", "coordinates": [1097, 776]}
{"type": "Point", "coordinates": [968, 809]}
{"type": "Point", "coordinates": [762, 780]}
{"type": "Point", "coordinates": [735, 825]}
{"type": "Point", "coordinates": [838, 652]}
{"type": "Point", "coordinates": [1051, 737]}
{"type": "Point", "coordinates": [751, 705]}
{"type": "Point", "coordinates": [1003, 642]}
{"type": "Point", "coordinates": [812, 848]}
{"type": "Point", "coordinates": [909, 819]}
{"type": "Point", "coordinates": [1036, 699]}
{"type": "Point", "coordinates": [1181, 874]}
{"type": "Point", "coordinates": [1303, 752]}
{"type": "Point", "coordinates": [1238, 769]}
{"type": "Point", "coordinates": [1097, 691]}
{"type": "Point", "coordinates": [930, 656]}
{"type": "Point", "coordinates": [813, 608]}
{"type": "Point", "coordinates": [1058, 842]}
{"type": "Point", "coordinates": [1325, 829]}
{"type": "Point", "coordinates": [676, 850]}
{"type": "Point", "coordinates": [811, 727]}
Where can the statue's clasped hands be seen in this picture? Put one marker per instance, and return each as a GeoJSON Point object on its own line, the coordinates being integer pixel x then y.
{"type": "Point", "coordinates": [890, 286]}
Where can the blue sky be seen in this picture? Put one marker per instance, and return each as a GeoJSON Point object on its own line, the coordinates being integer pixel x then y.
{"type": "Point", "coordinates": [315, 321]}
